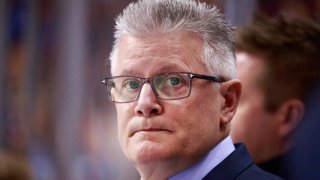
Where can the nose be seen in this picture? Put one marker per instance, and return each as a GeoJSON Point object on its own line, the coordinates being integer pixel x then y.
{"type": "Point", "coordinates": [148, 103]}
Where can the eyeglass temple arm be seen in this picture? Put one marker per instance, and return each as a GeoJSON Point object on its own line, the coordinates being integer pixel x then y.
{"type": "Point", "coordinates": [104, 81]}
{"type": "Point", "coordinates": [211, 78]}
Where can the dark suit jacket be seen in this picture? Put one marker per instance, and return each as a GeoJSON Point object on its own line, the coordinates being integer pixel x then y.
{"type": "Point", "coordinates": [279, 165]}
{"type": "Point", "coordinates": [238, 165]}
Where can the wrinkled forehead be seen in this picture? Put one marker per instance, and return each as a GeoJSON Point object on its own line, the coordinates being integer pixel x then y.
{"type": "Point", "coordinates": [164, 53]}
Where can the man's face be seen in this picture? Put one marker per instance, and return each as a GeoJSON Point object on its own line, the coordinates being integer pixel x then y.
{"type": "Point", "coordinates": [151, 129]}
{"type": "Point", "coordinates": [252, 123]}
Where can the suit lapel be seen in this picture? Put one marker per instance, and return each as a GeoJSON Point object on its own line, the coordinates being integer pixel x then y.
{"type": "Point", "coordinates": [237, 162]}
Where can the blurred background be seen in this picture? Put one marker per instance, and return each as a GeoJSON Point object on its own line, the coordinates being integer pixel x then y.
{"type": "Point", "coordinates": [55, 121]}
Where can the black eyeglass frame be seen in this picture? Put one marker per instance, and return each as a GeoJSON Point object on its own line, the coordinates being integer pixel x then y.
{"type": "Point", "coordinates": [216, 79]}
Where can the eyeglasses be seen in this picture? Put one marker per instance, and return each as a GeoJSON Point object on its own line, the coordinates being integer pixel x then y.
{"type": "Point", "coordinates": [168, 86]}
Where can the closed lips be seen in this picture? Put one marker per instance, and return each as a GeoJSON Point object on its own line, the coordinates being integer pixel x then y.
{"type": "Point", "coordinates": [151, 129]}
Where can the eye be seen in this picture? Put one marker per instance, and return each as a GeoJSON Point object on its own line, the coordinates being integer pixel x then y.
{"type": "Point", "coordinates": [172, 81]}
{"type": "Point", "coordinates": [131, 84]}
{"type": "Point", "coordinates": [175, 81]}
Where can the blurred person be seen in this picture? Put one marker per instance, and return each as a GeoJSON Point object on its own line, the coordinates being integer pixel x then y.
{"type": "Point", "coordinates": [278, 64]}
{"type": "Point", "coordinates": [305, 157]}
{"type": "Point", "coordinates": [175, 91]}
{"type": "Point", "coordinates": [13, 167]}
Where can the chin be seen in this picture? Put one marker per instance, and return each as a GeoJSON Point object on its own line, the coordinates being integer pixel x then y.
{"type": "Point", "coordinates": [148, 151]}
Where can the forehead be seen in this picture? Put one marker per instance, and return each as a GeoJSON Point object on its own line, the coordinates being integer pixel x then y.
{"type": "Point", "coordinates": [250, 69]}
{"type": "Point", "coordinates": [178, 51]}
{"type": "Point", "coordinates": [247, 62]}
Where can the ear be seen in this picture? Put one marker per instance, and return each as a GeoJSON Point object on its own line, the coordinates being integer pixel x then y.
{"type": "Point", "coordinates": [230, 91]}
{"type": "Point", "coordinates": [292, 112]}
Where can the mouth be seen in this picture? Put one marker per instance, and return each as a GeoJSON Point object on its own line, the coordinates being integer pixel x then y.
{"type": "Point", "coordinates": [151, 130]}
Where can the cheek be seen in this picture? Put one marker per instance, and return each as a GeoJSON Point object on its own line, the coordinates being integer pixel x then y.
{"type": "Point", "coordinates": [249, 121]}
{"type": "Point", "coordinates": [182, 117]}
{"type": "Point", "coordinates": [123, 116]}
{"type": "Point", "coordinates": [178, 116]}
{"type": "Point", "coordinates": [244, 120]}
{"type": "Point", "coordinates": [202, 119]}
{"type": "Point", "coordinates": [242, 116]}
{"type": "Point", "coordinates": [193, 113]}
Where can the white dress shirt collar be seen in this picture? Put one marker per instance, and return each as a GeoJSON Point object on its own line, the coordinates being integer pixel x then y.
{"type": "Point", "coordinates": [211, 160]}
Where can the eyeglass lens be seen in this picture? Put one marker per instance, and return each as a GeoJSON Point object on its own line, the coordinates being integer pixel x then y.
{"type": "Point", "coordinates": [166, 86]}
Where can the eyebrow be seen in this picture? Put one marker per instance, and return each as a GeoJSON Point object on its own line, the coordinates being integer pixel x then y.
{"type": "Point", "coordinates": [168, 68]}
{"type": "Point", "coordinates": [130, 72]}
{"type": "Point", "coordinates": [163, 69]}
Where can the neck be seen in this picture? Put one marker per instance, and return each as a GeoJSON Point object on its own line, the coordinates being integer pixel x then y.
{"type": "Point", "coordinates": [271, 151]}
{"type": "Point", "coordinates": [161, 170]}
{"type": "Point", "coordinates": [158, 170]}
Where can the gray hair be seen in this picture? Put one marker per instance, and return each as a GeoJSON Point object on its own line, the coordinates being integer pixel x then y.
{"type": "Point", "coordinates": [147, 17]}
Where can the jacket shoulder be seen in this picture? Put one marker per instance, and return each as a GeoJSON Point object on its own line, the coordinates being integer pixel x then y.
{"type": "Point", "coordinates": [254, 172]}
{"type": "Point", "coordinates": [239, 165]}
